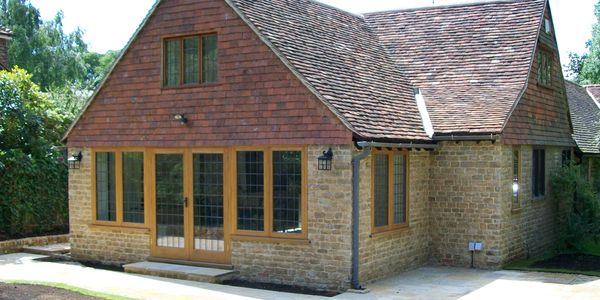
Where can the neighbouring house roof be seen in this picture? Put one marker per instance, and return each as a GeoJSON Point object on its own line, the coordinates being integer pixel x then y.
{"type": "Point", "coordinates": [5, 33]}
{"type": "Point", "coordinates": [471, 61]}
{"type": "Point", "coordinates": [585, 115]}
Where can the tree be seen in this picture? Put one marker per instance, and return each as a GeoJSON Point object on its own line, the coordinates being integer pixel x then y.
{"type": "Point", "coordinates": [54, 58]}
{"type": "Point", "coordinates": [585, 68]}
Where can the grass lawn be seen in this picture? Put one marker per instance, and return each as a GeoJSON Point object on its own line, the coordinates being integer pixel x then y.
{"type": "Point", "coordinates": [590, 251]}
{"type": "Point", "coordinates": [72, 289]}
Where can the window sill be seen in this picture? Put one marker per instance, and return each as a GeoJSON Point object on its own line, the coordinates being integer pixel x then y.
{"type": "Point", "coordinates": [190, 86]}
{"type": "Point", "coordinates": [118, 227]}
{"type": "Point", "coordinates": [516, 210]}
{"type": "Point", "coordinates": [386, 232]}
{"type": "Point", "coordinates": [275, 240]}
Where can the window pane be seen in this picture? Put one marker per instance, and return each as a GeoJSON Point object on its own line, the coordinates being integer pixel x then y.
{"type": "Point", "coordinates": [208, 202]}
{"type": "Point", "coordinates": [515, 177]}
{"type": "Point", "coordinates": [287, 191]}
{"type": "Point", "coordinates": [172, 62]}
{"type": "Point", "coordinates": [191, 62]}
{"type": "Point", "coordinates": [250, 190]}
{"type": "Point", "coordinates": [534, 173]}
{"type": "Point", "coordinates": [169, 201]}
{"type": "Point", "coordinates": [381, 190]}
{"type": "Point", "coordinates": [209, 58]}
{"type": "Point", "coordinates": [542, 175]}
{"type": "Point", "coordinates": [399, 189]}
{"type": "Point", "coordinates": [539, 172]}
{"type": "Point", "coordinates": [133, 187]}
{"type": "Point", "coordinates": [105, 186]}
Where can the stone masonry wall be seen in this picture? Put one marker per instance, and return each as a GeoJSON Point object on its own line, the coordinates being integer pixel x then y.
{"type": "Point", "coordinates": [466, 202]}
{"type": "Point", "coordinates": [99, 243]}
{"type": "Point", "coordinates": [324, 263]}
{"type": "Point", "coordinates": [530, 230]}
{"type": "Point", "coordinates": [388, 253]}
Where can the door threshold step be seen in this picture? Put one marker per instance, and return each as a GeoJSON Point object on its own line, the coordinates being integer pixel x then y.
{"type": "Point", "coordinates": [50, 250]}
{"type": "Point", "coordinates": [190, 263]}
{"type": "Point", "coordinates": [185, 272]}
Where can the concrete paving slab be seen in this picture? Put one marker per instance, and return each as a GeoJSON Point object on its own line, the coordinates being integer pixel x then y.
{"type": "Point", "coordinates": [48, 249]}
{"type": "Point", "coordinates": [180, 271]}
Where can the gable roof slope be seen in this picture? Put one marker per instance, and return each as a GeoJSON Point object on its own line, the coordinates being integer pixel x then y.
{"type": "Point", "coordinates": [471, 61]}
{"type": "Point", "coordinates": [337, 54]}
{"type": "Point", "coordinates": [585, 116]}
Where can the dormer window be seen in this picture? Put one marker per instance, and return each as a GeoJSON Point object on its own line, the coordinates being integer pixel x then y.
{"type": "Point", "coordinates": [190, 60]}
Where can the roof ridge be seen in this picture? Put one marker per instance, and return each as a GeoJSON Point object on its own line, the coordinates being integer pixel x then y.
{"type": "Point", "coordinates": [317, 2]}
{"type": "Point", "coordinates": [456, 5]}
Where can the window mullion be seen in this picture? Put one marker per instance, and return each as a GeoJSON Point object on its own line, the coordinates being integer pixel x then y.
{"type": "Point", "coordinates": [390, 190]}
{"type": "Point", "coordinates": [119, 186]}
{"type": "Point", "coordinates": [268, 191]}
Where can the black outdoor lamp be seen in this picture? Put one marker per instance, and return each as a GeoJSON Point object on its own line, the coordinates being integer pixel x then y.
{"type": "Point", "coordinates": [75, 160]}
{"type": "Point", "coordinates": [325, 160]}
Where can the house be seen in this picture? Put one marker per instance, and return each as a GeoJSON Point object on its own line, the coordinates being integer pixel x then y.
{"type": "Point", "coordinates": [585, 115]}
{"type": "Point", "coordinates": [208, 142]}
{"type": "Point", "coordinates": [5, 37]}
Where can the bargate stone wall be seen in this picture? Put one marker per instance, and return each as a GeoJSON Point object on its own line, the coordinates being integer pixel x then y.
{"type": "Point", "coordinates": [531, 230]}
{"type": "Point", "coordinates": [99, 243]}
{"type": "Point", "coordinates": [325, 262]}
{"type": "Point", "coordinates": [384, 254]}
{"type": "Point", "coordinates": [467, 194]}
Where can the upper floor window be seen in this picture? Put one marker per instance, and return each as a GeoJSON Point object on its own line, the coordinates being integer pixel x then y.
{"type": "Point", "coordinates": [547, 26]}
{"type": "Point", "coordinates": [544, 68]}
{"type": "Point", "coordinates": [190, 60]}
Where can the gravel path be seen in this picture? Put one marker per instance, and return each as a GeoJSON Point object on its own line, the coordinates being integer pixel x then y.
{"type": "Point", "coordinates": [38, 292]}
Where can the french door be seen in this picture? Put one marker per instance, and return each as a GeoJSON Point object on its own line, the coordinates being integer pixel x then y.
{"type": "Point", "coordinates": [190, 207]}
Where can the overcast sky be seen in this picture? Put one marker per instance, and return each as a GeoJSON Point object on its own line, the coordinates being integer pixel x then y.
{"type": "Point", "coordinates": [107, 28]}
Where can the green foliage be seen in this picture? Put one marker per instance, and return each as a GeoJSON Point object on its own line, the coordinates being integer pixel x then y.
{"type": "Point", "coordinates": [586, 68]}
{"type": "Point", "coordinates": [33, 179]}
{"type": "Point", "coordinates": [578, 207]}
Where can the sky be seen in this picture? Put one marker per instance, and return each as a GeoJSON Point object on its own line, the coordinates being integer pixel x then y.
{"type": "Point", "coordinates": [107, 28]}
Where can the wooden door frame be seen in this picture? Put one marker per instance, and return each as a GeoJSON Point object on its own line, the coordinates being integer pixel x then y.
{"type": "Point", "coordinates": [189, 253]}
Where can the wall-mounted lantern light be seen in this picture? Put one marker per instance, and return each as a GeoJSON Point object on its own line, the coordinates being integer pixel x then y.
{"type": "Point", "coordinates": [181, 118]}
{"type": "Point", "coordinates": [515, 188]}
{"type": "Point", "coordinates": [325, 160]}
{"type": "Point", "coordinates": [75, 160]}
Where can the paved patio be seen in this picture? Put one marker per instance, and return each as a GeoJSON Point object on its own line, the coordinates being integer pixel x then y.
{"type": "Point", "coordinates": [424, 283]}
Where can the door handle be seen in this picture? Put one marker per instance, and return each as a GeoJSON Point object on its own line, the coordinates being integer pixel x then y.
{"type": "Point", "coordinates": [185, 201]}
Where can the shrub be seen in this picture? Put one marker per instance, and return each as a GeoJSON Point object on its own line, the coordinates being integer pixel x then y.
{"type": "Point", "coordinates": [578, 208]}
{"type": "Point", "coordinates": [33, 179]}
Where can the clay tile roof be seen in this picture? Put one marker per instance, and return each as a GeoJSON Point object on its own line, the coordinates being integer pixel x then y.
{"type": "Point", "coordinates": [338, 55]}
{"type": "Point", "coordinates": [585, 116]}
{"type": "Point", "coordinates": [471, 61]}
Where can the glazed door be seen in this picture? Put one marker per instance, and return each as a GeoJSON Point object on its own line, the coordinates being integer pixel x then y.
{"type": "Point", "coordinates": [208, 211]}
{"type": "Point", "coordinates": [171, 204]}
{"type": "Point", "coordinates": [190, 207]}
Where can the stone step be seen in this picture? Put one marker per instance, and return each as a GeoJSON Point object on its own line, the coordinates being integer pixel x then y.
{"type": "Point", "coordinates": [202, 274]}
{"type": "Point", "coordinates": [50, 250]}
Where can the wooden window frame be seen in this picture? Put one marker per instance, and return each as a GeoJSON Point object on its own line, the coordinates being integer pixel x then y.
{"type": "Point", "coordinates": [391, 226]}
{"type": "Point", "coordinates": [543, 53]}
{"type": "Point", "coordinates": [534, 179]}
{"type": "Point", "coordinates": [267, 233]}
{"type": "Point", "coordinates": [119, 188]}
{"type": "Point", "coordinates": [181, 38]}
{"type": "Point", "coordinates": [516, 205]}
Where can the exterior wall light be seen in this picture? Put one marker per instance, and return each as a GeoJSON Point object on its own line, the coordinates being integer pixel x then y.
{"type": "Point", "coordinates": [515, 188]}
{"type": "Point", "coordinates": [75, 161]}
{"type": "Point", "coordinates": [325, 160]}
{"type": "Point", "coordinates": [181, 118]}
